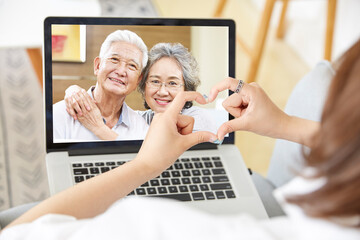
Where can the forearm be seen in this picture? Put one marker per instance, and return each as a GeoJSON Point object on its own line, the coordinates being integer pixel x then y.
{"type": "Point", "coordinates": [298, 130]}
{"type": "Point", "coordinates": [93, 196]}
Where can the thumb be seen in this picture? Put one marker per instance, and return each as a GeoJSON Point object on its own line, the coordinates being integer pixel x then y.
{"type": "Point", "coordinates": [228, 127]}
{"type": "Point", "coordinates": [198, 137]}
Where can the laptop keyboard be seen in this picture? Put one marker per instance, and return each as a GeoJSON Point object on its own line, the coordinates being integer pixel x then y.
{"type": "Point", "coordinates": [188, 179]}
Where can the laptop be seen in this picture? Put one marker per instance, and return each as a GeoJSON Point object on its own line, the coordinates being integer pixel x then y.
{"type": "Point", "coordinates": [210, 177]}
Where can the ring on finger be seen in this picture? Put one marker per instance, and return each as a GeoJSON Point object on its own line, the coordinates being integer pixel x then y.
{"type": "Point", "coordinates": [239, 86]}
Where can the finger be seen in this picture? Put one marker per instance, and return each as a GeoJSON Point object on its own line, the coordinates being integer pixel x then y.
{"type": "Point", "coordinates": [198, 137]}
{"type": "Point", "coordinates": [72, 113]}
{"type": "Point", "coordinates": [86, 99]}
{"type": "Point", "coordinates": [180, 100]}
{"type": "Point", "coordinates": [228, 127]}
{"type": "Point", "coordinates": [234, 104]}
{"type": "Point", "coordinates": [185, 124]}
{"type": "Point", "coordinates": [227, 83]}
{"type": "Point", "coordinates": [75, 105]}
{"type": "Point", "coordinates": [69, 108]}
{"type": "Point", "coordinates": [80, 98]}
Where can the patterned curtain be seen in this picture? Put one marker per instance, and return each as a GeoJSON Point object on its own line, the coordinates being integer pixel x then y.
{"type": "Point", "coordinates": [22, 150]}
{"type": "Point", "coordinates": [23, 176]}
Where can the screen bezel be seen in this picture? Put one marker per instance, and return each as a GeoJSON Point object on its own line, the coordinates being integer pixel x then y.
{"type": "Point", "coordinates": [118, 146]}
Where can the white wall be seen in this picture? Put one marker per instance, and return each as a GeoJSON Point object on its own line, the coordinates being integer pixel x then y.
{"type": "Point", "coordinates": [21, 21]}
{"type": "Point", "coordinates": [307, 26]}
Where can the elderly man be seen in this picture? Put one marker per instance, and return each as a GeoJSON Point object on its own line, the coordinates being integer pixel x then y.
{"type": "Point", "coordinates": [118, 68]}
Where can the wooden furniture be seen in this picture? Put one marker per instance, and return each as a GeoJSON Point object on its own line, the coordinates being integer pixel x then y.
{"type": "Point", "coordinates": [256, 52]}
{"type": "Point", "coordinates": [36, 61]}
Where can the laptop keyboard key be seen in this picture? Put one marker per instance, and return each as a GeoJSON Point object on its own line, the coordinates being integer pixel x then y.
{"type": "Point", "coordinates": [194, 188]}
{"type": "Point", "coordinates": [104, 169]}
{"type": "Point", "coordinates": [206, 172]}
{"type": "Point", "coordinates": [210, 195]}
{"type": "Point", "coordinates": [76, 165]}
{"type": "Point", "coordinates": [88, 164]}
{"type": "Point", "coordinates": [218, 164]}
{"type": "Point", "coordinates": [183, 189]}
{"type": "Point", "coordinates": [173, 189]}
{"type": "Point", "coordinates": [188, 165]}
{"type": "Point", "coordinates": [220, 195]}
{"type": "Point", "coordinates": [196, 180]}
{"type": "Point", "coordinates": [79, 179]}
{"type": "Point", "coordinates": [220, 186]}
{"type": "Point", "coordinates": [198, 165]}
{"type": "Point", "coordinates": [140, 191]}
{"type": "Point", "coordinates": [179, 196]}
{"type": "Point", "coordinates": [208, 164]}
{"type": "Point", "coordinates": [94, 170]}
{"type": "Point", "coordinates": [206, 179]}
{"type": "Point", "coordinates": [165, 182]}
{"type": "Point", "coordinates": [145, 184]}
{"type": "Point", "coordinates": [99, 164]}
{"type": "Point", "coordinates": [218, 171]}
{"type": "Point", "coordinates": [204, 187]}
{"type": "Point", "coordinates": [80, 171]}
{"type": "Point", "coordinates": [196, 173]}
{"type": "Point", "coordinates": [198, 196]}
{"type": "Point", "coordinates": [154, 182]}
{"type": "Point", "coordinates": [220, 179]}
{"type": "Point", "coordinates": [185, 181]}
{"type": "Point", "coordinates": [186, 173]}
{"type": "Point", "coordinates": [175, 173]}
{"type": "Point", "coordinates": [230, 194]}
{"type": "Point", "coordinates": [162, 190]}
{"type": "Point", "coordinates": [151, 191]}
{"type": "Point", "coordinates": [175, 181]}
{"type": "Point", "coordinates": [178, 166]}
{"type": "Point", "coordinates": [165, 174]}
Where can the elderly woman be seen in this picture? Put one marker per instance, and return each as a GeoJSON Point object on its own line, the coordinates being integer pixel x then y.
{"type": "Point", "coordinates": [171, 69]}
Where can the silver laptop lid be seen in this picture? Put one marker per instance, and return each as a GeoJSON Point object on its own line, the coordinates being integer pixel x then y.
{"type": "Point", "coordinates": [71, 44]}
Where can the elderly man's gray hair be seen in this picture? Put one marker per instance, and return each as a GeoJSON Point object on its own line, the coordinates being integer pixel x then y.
{"type": "Point", "coordinates": [186, 61]}
{"type": "Point", "coordinates": [125, 36]}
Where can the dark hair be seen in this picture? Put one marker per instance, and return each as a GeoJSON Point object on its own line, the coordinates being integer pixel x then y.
{"type": "Point", "coordinates": [336, 151]}
{"type": "Point", "coordinates": [185, 60]}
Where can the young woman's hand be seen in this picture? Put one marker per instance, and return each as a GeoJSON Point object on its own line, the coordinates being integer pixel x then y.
{"type": "Point", "coordinates": [170, 134]}
{"type": "Point", "coordinates": [252, 108]}
{"type": "Point", "coordinates": [73, 100]}
{"type": "Point", "coordinates": [255, 112]}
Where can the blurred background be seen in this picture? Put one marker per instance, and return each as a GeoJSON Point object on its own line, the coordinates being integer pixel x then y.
{"type": "Point", "coordinates": [275, 57]}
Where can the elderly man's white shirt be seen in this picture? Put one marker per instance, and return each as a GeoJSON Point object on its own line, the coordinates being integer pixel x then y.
{"type": "Point", "coordinates": [130, 126]}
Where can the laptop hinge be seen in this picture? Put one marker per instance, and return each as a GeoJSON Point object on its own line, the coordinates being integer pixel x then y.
{"type": "Point", "coordinates": [127, 149]}
{"type": "Point", "coordinates": [104, 150]}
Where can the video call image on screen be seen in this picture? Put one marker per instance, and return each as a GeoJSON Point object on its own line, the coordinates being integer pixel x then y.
{"type": "Point", "coordinates": [113, 79]}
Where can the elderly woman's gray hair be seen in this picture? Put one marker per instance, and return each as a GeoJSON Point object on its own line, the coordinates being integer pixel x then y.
{"type": "Point", "coordinates": [186, 61]}
{"type": "Point", "coordinates": [125, 36]}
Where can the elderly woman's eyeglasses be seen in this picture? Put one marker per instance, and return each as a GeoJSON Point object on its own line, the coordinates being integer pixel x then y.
{"type": "Point", "coordinates": [170, 85]}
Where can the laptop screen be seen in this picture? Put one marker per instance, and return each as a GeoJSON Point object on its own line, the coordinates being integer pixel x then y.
{"type": "Point", "coordinates": [184, 54]}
